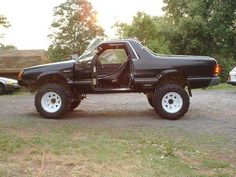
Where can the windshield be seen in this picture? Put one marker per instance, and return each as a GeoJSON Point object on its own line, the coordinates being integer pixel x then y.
{"type": "Point", "coordinates": [91, 50]}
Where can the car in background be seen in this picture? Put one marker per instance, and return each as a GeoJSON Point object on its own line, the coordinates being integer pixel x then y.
{"type": "Point", "coordinates": [8, 85]}
{"type": "Point", "coordinates": [232, 77]}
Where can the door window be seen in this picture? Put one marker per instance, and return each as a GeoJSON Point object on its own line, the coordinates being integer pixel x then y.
{"type": "Point", "coordinates": [113, 56]}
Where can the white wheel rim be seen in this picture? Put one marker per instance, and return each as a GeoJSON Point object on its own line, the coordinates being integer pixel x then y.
{"type": "Point", "coordinates": [51, 102]}
{"type": "Point", "coordinates": [172, 102]}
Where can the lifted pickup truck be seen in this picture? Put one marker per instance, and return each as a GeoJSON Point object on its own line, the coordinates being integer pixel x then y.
{"type": "Point", "coordinates": [120, 66]}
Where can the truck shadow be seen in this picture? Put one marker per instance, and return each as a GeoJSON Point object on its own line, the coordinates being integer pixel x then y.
{"type": "Point", "coordinates": [77, 114]}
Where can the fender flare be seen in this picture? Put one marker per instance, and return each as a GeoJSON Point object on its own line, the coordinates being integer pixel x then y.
{"type": "Point", "coordinates": [50, 73]}
{"type": "Point", "coordinates": [174, 71]}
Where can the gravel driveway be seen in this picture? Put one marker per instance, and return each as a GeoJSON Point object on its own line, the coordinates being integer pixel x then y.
{"type": "Point", "coordinates": [211, 112]}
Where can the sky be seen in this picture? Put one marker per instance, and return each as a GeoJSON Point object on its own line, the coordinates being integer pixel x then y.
{"type": "Point", "coordinates": [31, 19]}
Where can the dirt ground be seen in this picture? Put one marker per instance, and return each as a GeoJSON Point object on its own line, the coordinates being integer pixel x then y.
{"type": "Point", "coordinates": [211, 111]}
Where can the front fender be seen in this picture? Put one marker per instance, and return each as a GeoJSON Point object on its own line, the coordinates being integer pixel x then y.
{"type": "Point", "coordinates": [52, 73]}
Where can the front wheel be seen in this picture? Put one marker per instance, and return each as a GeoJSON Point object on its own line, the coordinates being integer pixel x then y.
{"type": "Point", "coordinates": [171, 101]}
{"type": "Point", "coordinates": [74, 104]}
{"type": "Point", "coordinates": [53, 101]}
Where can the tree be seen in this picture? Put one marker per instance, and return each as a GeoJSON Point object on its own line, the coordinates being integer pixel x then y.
{"type": "Point", "coordinates": [204, 27]}
{"type": "Point", "coordinates": [4, 23]}
{"type": "Point", "coordinates": [8, 47]}
{"type": "Point", "coordinates": [73, 26]}
{"type": "Point", "coordinates": [151, 31]}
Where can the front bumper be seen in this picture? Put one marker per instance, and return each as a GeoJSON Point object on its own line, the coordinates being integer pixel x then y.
{"type": "Point", "coordinates": [22, 83]}
{"type": "Point", "coordinates": [215, 81]}
{"type": "Point", "coordinates": [12, 87]}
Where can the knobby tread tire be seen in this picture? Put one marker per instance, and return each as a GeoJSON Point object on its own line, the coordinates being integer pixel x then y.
{"type": "Point", "coordinates": [62, 91]}
{"type": "Point", "coordinates": [157, 99]}
{"type": "Point", "coordinates": [74, 104]}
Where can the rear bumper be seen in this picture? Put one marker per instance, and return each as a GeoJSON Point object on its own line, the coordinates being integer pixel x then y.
{"type": "Point", "coordinates": [232, 82]}
{"type": "Point", "coordinates": [203, 82]}
{"type": "Point", "coordinates": [215, 81]}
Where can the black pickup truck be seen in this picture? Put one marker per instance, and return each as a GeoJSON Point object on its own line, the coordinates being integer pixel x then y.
{"type": "Point", "coordinates": [120, 66]}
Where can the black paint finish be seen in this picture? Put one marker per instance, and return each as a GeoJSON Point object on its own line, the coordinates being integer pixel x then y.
{"type": "Point", "coordinates": [145, 68]}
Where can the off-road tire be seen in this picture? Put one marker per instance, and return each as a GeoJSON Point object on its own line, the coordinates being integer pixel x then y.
{"type": "Point", "coordinates": [164, 89]}
{"type": "Point", "coordinates": [150, 99]}
{"type": "Point", "coordinates": [2, 89]}
{"type": "Point", "coordinates": [74, 104]}
{"type": "Point", "coordinates": [64, 94]}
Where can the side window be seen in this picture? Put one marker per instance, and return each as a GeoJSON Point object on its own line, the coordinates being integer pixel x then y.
{"type": "Point", "coordinates": [113, 56]}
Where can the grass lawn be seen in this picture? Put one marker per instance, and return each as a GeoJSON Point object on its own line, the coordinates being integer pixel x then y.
{"type": "Point", "coordinates": [222, 86]}
{"type": "Point", "coordinates": [78, 150]}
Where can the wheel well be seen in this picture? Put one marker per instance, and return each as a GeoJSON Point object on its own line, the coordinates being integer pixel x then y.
{"type": "Point", "coordinates": [55, 78]}
{"type": "Point", "coordinates": [177, 78]}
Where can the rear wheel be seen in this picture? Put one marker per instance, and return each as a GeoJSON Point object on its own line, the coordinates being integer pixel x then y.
{"type": "Point", "coordinates": [53, 101]}
{"type": "Point", "coordinates": [171, 101]}
{"type": "Point", "coordinates": [2, 89]}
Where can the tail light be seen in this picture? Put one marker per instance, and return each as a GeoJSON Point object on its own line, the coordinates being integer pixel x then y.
{"type": "Point", "coordinates": [217, 70]}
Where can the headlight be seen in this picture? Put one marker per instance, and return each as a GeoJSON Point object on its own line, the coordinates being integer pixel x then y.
{"type": "Point", "coordinates": [10, 82]}
{"type": "Point", "coordinates": [20, 74]}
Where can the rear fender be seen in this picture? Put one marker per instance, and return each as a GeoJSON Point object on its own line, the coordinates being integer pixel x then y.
{"type": "Point", "coordinates": [173, 73]}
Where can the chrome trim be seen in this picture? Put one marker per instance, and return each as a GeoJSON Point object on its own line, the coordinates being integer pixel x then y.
{"type": "Point", "coordinates": [82, 82]}
{"type": "Point", "coordinates": [133, 50]}
{"type": "Point", "coordinates": [145, 80]}
{"type": "Point", "coordinates": [67, 71]}
{"type": "Point", "coordinates": [199, 78]}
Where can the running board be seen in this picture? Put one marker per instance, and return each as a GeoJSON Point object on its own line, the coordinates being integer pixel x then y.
{"type": "Point", "coordinates": [101, 90]}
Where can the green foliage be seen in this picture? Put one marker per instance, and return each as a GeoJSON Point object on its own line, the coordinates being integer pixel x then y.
{"type": "Point", "coordinates": [215, 164]}
{"type": "Point", "coordinates": [222, 86]}
{"type": "Point", "coordinates": [73, 26]}
{"type": "Point", "coordinates": [149, 30]}
{"type": "Point", "coordinates": [3, 23]}
{"type": "Point", "coordinates": [227, 65]}
{"type": "Point", "coordinates": [8, 47]}
{"type": "Point", "coordinates": [203, 27]}
{"type": "Point", "coordinates": [10, 143]}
